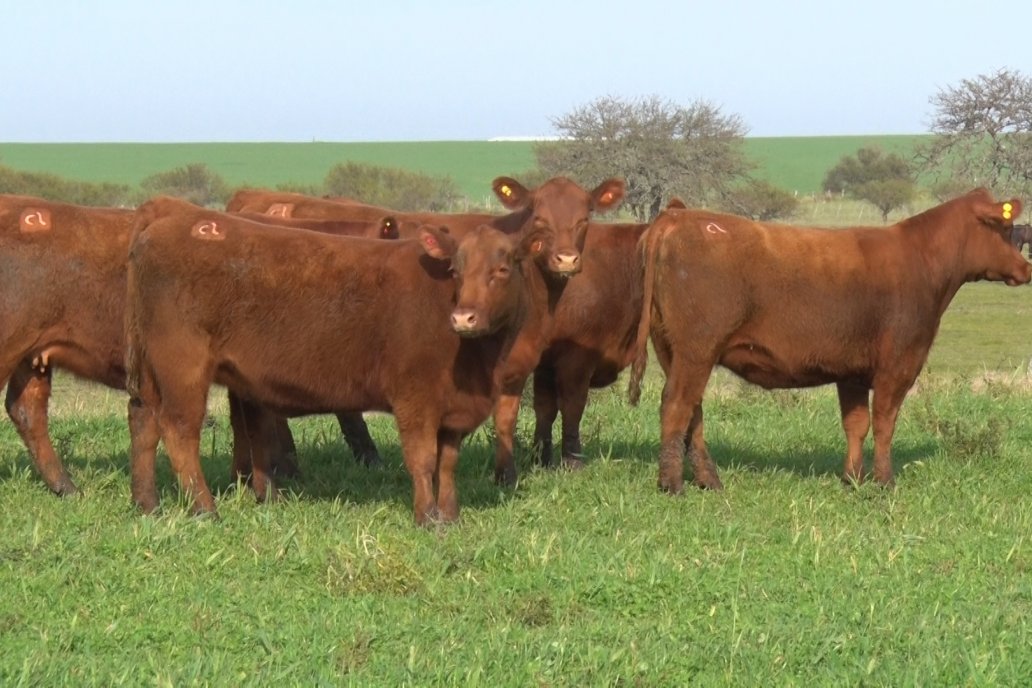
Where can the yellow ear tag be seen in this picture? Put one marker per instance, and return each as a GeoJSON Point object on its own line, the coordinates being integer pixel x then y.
{"type": "Point", "coordinates": [607, 197]}
{"type": "Point", "coordinates": [504, 188]}
{"type": "Point", "coordinates": [1007, 208]}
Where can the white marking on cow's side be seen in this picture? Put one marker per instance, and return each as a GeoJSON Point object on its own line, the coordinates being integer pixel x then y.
{"type": "Point", "coordinates": [713, 228]}
{"type": "Point", "coordinates": [207, 229]}
{"type": "Point", "coordinates": [35, 218]}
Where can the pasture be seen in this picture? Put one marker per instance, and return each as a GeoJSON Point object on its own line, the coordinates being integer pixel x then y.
{"type": "Point", "coordinates": [587, 578]}
{"type": "Point", "coordinates": [793, 163]}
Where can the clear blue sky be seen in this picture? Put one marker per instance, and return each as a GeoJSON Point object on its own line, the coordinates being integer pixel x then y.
{"type": "Point", "coordinates": [380, 70]}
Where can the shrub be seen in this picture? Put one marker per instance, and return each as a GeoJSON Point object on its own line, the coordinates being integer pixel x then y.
{"type": "Point", "coordinates": [392, 187]}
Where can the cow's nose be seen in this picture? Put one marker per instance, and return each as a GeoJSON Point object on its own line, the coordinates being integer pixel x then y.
{"type": "Point", "coordinates": [463, 319]}
{"type": "Point", "coordinates": [567, 261]}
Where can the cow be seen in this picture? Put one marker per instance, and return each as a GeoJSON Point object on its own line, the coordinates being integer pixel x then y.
{"type": "Point", "coordinates": [63, 303]}
{"type": "Point", "coordinates": [585, 353]}
{"type": "Point", "coordinates": [64, 270]}
{"type": "Point", "coordinates": [789, 307]}
{"type": "Point", "coordinates": [458, 316]}
{"type": "Point", "coordinates": [592, 340]}
{"type": "Point", "coordinates": [1021, 236]}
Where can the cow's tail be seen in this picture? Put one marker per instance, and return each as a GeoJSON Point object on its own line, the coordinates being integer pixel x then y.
{"type": "Point", "coordinates": [648, 248]}
{"type": "Point", "coordinates": [146, 214]}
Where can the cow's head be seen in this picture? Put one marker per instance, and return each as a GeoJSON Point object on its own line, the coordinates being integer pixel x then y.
{"type": "Point", "coordinates": [992, 255]}
{"type": "Point", "coordinates": [559, 209]}
{"type": "Point", "coordinates": [488, 266]}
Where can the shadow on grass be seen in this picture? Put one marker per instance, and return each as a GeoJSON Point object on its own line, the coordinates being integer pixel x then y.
{"type": "Point", "coordinates": [823, 461]}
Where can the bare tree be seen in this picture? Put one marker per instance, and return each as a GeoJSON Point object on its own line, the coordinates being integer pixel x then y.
{"type": "Point", "coordinates": [660, 148]}
{"type": "Point", "coordinates": [983, 134]}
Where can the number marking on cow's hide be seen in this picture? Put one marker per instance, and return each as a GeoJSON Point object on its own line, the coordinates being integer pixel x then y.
{"type": "Point", "coordinates": [280, 210]}
{"type": "Point", "coordinates": [207, 230]}
{"type": "Point", "coordinates": [714, 228]}
{"type": "Point", "coordinates": [35, 220]}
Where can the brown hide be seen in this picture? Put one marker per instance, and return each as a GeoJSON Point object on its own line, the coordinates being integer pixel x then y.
{"type": "Point", "coordinates": [63, 270]}
{"type": "Point", "coordinates": [327, 308]}
{"type": "Point", "coordinates": [298, 206]}
{"type": "Point", "coordinates": [384, 227]}
{"type": "Point", "coordinates": [794, 307]}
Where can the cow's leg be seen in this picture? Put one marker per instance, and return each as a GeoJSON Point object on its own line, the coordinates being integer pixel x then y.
{"type": "Point", "coordinates": [885, 404]}
{"type": "Point", "coordinates": [282, 450]}
{"type": "Point", "coordinates": [277, 443]}
{"type": "Point", "coordinates": [854, 403]}
{"type": "Point", "coordinates": [506, 411]}
{"type": "Point", "coordinates": [356, 435]}
{"type": "Point", "coordinates": [143, 445]}
{"type": "Point", "coordinates": [28, 392]}
{"type": "Point", "coordinates": [180, 418]}
{"type": "Point", "coordinates": [706, 474]}
{"type": "Point", "coordinates": [447, 459]}
{"type": "Point", "coordinates": [574, 382]}
{"type": "Point", "coordinates": [419, 449]}
{"type": "Point", "coordinates": [546, 408]}
{"type": "Point", "coordinates": [260, 426]}
{"type": "Point", "coordinates": [241, 469]}
{"type": "Point", "coordinates": [681, 419]}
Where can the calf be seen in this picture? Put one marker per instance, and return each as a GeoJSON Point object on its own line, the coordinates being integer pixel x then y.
{"type": "Point", "coordinates": [201, 284]}
{"type": "Point", "coordinates": [787, 307]}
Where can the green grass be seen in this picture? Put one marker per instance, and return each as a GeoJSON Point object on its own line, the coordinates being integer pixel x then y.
{"type": "Point", "coordinates": [794, 163]}
{"type": "Point", "coordinates": [588, 578]}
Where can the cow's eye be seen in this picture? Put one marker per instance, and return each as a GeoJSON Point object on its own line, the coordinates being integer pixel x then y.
{"type": "Point", "coordinates": [503, 270]}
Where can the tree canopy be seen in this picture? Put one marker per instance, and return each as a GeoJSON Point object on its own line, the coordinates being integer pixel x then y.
{"type": "Point", "coordinates": [660, 148]}
{"type": "Point", "coordinates": [883, 179]}
{"type": "Point", "coordinates": [391, 187]}
{"type": "Point", "coordinates": [983, 134]}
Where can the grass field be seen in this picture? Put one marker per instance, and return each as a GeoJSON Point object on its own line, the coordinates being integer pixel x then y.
{"type": "Point", "coordinates": [572, 579]}
{"type": "Point", "coordinates": [793, 163]}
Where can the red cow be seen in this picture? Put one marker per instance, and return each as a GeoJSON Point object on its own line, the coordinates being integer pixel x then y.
{"type": "Point", "coordinates": [325, 317]}
{"type": "Point", "coordinates": [787, 307]}
{"type": "Point", "coordinates": [592, 339]}
{"type": "Point", "coordinates": [561, 207]}
{"type": "Point", "coordinates": [63, 306]}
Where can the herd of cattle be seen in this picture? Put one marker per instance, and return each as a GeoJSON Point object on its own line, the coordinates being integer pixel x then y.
{"type": "Point", "coordinates": [301, 305]}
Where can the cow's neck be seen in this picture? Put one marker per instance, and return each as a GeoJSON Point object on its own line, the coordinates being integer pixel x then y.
{"type": "Point", "coordinates": [528, 330]}
{"type": "Point", "coordinates": [941, 245]}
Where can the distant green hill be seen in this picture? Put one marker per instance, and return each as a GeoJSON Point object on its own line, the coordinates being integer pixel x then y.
{"type": "Point", "coordinates": [793, 163]}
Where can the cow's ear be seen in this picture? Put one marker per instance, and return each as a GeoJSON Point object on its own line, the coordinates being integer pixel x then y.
{"type": "Point", "coordinates": [437, 242]}
{"type": "Point", "coordinates": [607, 195]}
{"type": "Point", "coordinates": [388, 227]}
{"type": "Point", "coordinates": [676, 204]}
{"type": "Point", "coordinates": [511, 193]}
{"type": "Point", "coordinates": [531, 245]}
{"type": "Point", "coordinates": [1003, 213]}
